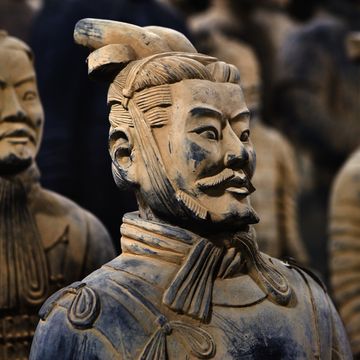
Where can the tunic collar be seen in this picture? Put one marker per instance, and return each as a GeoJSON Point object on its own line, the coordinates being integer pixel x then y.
{"type": "Point", "coordinates": [200, 262]}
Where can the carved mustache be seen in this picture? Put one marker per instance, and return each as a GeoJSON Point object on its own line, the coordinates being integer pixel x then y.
{"type": "Point", "coordinates": [228, 177]}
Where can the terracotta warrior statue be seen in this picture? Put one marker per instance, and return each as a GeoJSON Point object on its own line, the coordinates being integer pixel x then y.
{"type": "Point", "coordinates": [344, 231]}
{"type": "Point", "coordinates": [190, 282]}
{"type": "Point", "coordinates": [46, 241]}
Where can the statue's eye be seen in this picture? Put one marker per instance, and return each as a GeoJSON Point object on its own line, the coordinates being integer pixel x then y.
{"type": "Point", "coordinates": [208, 132]}
{"type": "Point", "coordinates": [245, 135]}
{"type": "Point", "coordinates": [29, 95]}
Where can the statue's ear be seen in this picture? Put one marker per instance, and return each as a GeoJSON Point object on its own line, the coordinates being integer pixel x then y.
{"type": "Point", "coordinates": [120, 148]}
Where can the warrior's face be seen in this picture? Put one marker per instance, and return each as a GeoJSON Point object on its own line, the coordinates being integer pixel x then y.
{"type": "Point", "coordinates": [206, 148]}
{"type": "Point", "coordinates": [21, 113]}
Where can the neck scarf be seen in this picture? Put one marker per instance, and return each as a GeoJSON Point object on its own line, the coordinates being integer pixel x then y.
{"type": "Point", "coordinates": [190, 291]}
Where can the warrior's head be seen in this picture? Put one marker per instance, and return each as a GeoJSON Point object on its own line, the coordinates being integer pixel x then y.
{"type": "Point", "coordinates": [179, 125]}
{"type": "Point", "coordinates": [21, 112]}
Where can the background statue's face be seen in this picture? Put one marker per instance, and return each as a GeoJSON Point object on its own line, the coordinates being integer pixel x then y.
{"type": "Point", "coordinates": [206, 148]}
{"type": "Point", "coordinates": [21, 113]}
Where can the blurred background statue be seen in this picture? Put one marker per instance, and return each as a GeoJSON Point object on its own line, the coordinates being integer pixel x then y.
{"type": "Point", "coordinates": [317, 102]}
{"type": "Point", "coordinates": [344, 230]}
{"type": "Point", "coordinates": [46, 240]}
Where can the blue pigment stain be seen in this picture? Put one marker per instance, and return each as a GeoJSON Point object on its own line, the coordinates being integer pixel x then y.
{"type": "Point", "coordinates": [195, 153]}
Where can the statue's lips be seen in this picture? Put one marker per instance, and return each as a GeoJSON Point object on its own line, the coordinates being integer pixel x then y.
{"type": "Point", "coordinates": [240, 191]}
{"type": "Point", "coordinates": [240, 185]}
{"type": "Point", "coordinates": [19, 135]}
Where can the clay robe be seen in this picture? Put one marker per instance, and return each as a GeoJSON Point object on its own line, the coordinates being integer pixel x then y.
{"type": "Point", "coordinates": [121, 311]}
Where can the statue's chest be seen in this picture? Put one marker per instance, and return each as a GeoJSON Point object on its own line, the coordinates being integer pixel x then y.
{"type": "Point", "coordinates": [261, 332]}
{"type": "Point", "coordinates": [18, 307]}
{"type": "Point", "coordinates": [250, 333]}
{"type": "Point", "coordinates": [252, 327]}
{"type": "Point", "coordinates": [243, 322]}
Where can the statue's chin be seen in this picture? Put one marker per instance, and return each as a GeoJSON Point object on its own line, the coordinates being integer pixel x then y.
{"type": "Point", "coordinates": [194, 214]}
{"type": "Point", "coordinates": [215, 222]}
{"type": "Point", "coordinates": [234, 220]}
{"type": "Point", "coordinates": [13, 164]}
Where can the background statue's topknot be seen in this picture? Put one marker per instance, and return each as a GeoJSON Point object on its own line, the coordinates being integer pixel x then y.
{"type": "Point", "coordinates": [12, 43]}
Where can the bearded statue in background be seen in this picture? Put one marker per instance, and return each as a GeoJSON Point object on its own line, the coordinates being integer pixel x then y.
{"type": "Point", "coordinates": [46, 241]}
{"type": "Point", "coordinates": [190, 282]}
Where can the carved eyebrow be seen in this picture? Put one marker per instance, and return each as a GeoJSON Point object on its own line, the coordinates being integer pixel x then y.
{"type": "Point", "coordinates": [241, 114]}
{"type": "Point", "coordinates": [206, 111]}
{"type": "Point", "coordinates": [30, 78]}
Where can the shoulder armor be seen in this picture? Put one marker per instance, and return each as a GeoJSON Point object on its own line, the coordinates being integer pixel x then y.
{"type": "Point", "coordinates": [50, 303]}
{"type": "Point", "coordinates": [290, 262]}
{"type": "Point", "coordinates": [84, 308]}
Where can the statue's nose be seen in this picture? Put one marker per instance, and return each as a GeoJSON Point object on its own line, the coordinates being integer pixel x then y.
{"type": "Point", "coordinates": [236, 159]}
{"type": "Point", "coordinates": [11, 108]}
{"type": "Point", "coordinates": [236, 154]}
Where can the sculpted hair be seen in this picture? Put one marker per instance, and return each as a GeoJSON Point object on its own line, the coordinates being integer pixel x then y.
{"type": "Point", "coordinates": [12, 43]}
{"type": "Point", "coordinates": [148, 84]}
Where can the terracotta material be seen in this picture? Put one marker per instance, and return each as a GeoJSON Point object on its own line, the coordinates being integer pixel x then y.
{"type": "Point", "coordinates": [46, 241]}
{"type": "Point", "coordinates": [275, 199]}
{"type": "Point", "coordinates": [276, 178]}
{"type": "Point", "coordinates": [191, 282]}
{"type": "Point", "coordinates": [345, 247]}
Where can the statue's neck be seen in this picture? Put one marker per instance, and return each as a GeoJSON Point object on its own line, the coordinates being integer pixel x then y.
{"type": "Point", "coordinates": [179, 261]}
{"type": "Point", "coordinates": [140, 233]}
{"type": "Point", "coordinates": [157, 241]}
